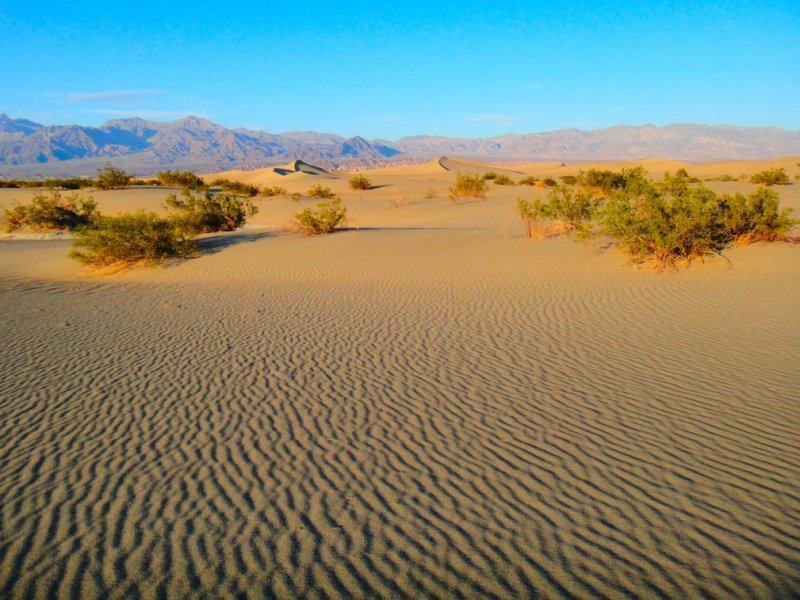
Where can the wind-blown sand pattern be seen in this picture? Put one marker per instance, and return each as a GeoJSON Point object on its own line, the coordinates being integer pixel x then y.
{"type": "Point", "coordinates": [418, 411]}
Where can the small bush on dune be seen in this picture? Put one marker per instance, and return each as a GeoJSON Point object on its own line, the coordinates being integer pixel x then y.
{"type": "Point", "coordinates": [756, 217]}
{"type": "Point", "coordinates": [111, 178]}
{"type": "Point", "coordinates": [236, 187]}
{"type": "Point", "coordinates": [327, 217]}
{"type": "Point", "coordinates": [728, 178]}
{"type": "Point", "coordinates": [184, 179]}
{"type": "Point", "coordinates": [360, 182]}
{"type": "Point", "coordinates": [207, 212]}
{"type": "Point", "coordinates": [529, 180]}
{"type": "Point", "coordinates": [566, 211]}
{"type": "Point", "coordinates": [51, 212]}
{"type": "Point", "coordinates": [275, 190]}
{"type": "Point", "coordinates": [503, 180]}
{"type": "Point", "coordinates": [468, 186]}
{"type": "Point", "coordinates": [771, 177]}
{"type": "Point", "coordinates": [548, 182]}
{"type": "Point", "coordinates": [489, 176]}
{"type": "Point", "coordinates": [131, 238]}
{"type": "Point", "coordinates": [320, 191]}
{"type": "Point", "coordinates": [569, 179]}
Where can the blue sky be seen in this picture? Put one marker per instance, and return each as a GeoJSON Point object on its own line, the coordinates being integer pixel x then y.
{"type": "Point", "coordinates": [389, 69]}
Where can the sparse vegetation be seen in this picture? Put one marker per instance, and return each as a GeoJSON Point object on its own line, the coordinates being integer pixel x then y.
{"type": "Point", "coordinates": [206, 212]}
{"type": "Point", "coordinates": [360, 182]}
{"type": "Point", "coordinates": [275, 190]}
{"type": "Point", "coordinates": [236, 187]}
{"type": "Point", "coordinates": [130, 238]}
{"type": "Point", "coordinates": [548, 182]}
{"type": "Point", "coordinates": [184, 179]}
{"type": "Point", "coordinates": [489, 176]}
{"type": "Point", "coordinates": [111, 178]}
{"type": "Point", "coordinates": [503, 180]}
{"type": "Point", "coordinates": [468, 186]}
{"type": "Point", "coordinates": [51, 211]}
{"type": "Point", "coordinates": [324, 219]}
{"type": "Point", "coordinates": [768, 177]}
{"type": "Point", "coordinates": [663, 222]}
{"type": "Point", "coordinates": [65, 183]}
{"type": "Point", "coordinates": [529, 180]}
{"type": "Point", "coordinates": [320, 191]}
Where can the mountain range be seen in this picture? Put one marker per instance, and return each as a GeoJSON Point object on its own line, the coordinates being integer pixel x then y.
{"type": "Point", "coordinates": [144, 147]}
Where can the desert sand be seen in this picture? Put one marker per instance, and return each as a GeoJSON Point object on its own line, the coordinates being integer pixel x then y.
{"type": "Point", "coordinates": [428, 404]}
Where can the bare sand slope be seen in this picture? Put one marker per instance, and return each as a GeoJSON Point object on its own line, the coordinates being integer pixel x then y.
{"type": "Point", "coordinates": [399, 413]}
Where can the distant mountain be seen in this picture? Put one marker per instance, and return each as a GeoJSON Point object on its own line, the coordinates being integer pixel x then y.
{"type": "Point", "coordinates": [144, 147]}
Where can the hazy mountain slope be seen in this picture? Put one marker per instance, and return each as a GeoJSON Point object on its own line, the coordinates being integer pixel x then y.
{"type": "Point", "coordinates": [141, 146]}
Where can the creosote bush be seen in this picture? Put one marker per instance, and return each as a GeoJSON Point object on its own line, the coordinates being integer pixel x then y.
{"type": "Point", "coordinates": [663, 223]}
{"type": "Point", "coordinates": [503, 180]}
{"type": "Point", "coordinates": [360, 182]}
{"type": "Point", "coordinates": [468, 186]}
{"type": "Point", "coordinates": [320, 191]}
{"type": "Point", "coordinates": [275, 190]}
{"type": "Point", "coordinates": [51, 211]}
{"type": "Point", "coordinates": [184, 179]}
{"type": "Point", "coordinates": [776, 176]}
{"type": "Point", "coordinates": [131, 238]}
{"type": "Point", "coordinates": [111, 178]}
{"type": "Point", "coordinates": [529, 180]}
{"type": "Point", "coordinates": [489, 176]}
{"type": "Point", "coordinates": [324, 219]}
{"type": "Point", "coordinates": [236, 187]}
{"type": "Point", "coordinates": [206, 212]}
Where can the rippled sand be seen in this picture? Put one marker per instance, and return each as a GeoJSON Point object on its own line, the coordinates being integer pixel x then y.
{"type": "Point", "coordinates": [413, 412]}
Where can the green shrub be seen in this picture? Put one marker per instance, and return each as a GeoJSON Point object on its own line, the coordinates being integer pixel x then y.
{"type": "Point", "coordinates": [111, 178]}
{"type": "Point", "coordinates": [130, 238]}
{"type": "Point", "coordinates": [275, 190]}
{"type": "Point", "coordinates": [685, 175]}
{"type": "Point", "coordinates": [569, 179]}
{"type": "Point", "coordinates": [776, 176]}
{"type": "Point", "coordinates": [566, 211]}
{"type": "Point", "coordinates": [51, 212]}
{"type": "Point", "coordinates": [468, 186]}
{"type": "Point", "coordinates": [489, 176]}
{"type": "Point", "coordinates": [327, 217]}
{"type": "Point", "coordinates": [184, 179]}
{"type": "Point", "coordinates": [534, 217]}
{"type": "Point", "coordinates": [236, 187]}
{"type": "Point", "coordinates": [360, 182]}
{"type": "Point", "coordinates": [529, 180]}
{"type": "Point", "coordinates": [503, 180]}
{"type": "Point", "coordinates": [207, 212]}
{"type": "Point", "coordinates": [728, 178]}
{"type": "Point", "coordinates": [320, 191]}
{"type": "Point", "coordinates": [549, 182]}
{"type": "Point", "coordinates": [756, 217]}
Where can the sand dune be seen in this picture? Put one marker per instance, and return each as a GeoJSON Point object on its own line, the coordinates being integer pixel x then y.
{"type": "Point", "coordinates": [432, 406]}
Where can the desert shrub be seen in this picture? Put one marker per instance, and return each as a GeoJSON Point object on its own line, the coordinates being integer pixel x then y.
{"type": "Point", "coordinates": [503, 180]}
{"type": "Point", "coordinates": [756, 217]}
{"type": "Point", "coordinates": [566, 211]}
{"type": "Point", "coordinates": [468, 186]}
{"type": "Point", "coordinates": [111, 178]}
{"type": "Point", "coordinates": [68, 183]}
{"type": "Point", "coordinates": [324, 219]}
{"type": "Point", "coordinates": [130, 238]}
{"type": "Point", "coordinates": [236, 187]}
{"type": "Point", "coordinates": [548, 182]}
{"type": "Point", "coordinates": [569, 179]}
{"type": "Point", "coordinates": [360, 182]}
{"type": "Point", "coordinates": [275, 190]}
{"type": "Point", "coordinates": [10, 183]}
{"type": "Point", "coordinates": [51, 212]}
{"type": "Point", "coordinates": [489, 176]}
{"type": "Point", "coordinates": [534, 217]}
{"type": "Point", "coordinates": [320, 191]}
{"type": "Point", "coordinates": [685, 175]}
{"type": "Point", "coordinates": [207, 212]}
{"type": "Point", "coordinates": [727, 178]}
{"type": "Point", "coordinates": [776, 176]}
{"type": "Point", "coordinates": [529, 180]}
{"type": "Point", "coordinates": [184, 179]}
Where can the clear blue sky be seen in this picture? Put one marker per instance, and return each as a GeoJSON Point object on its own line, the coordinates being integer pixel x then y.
{"type": "Point", "coordinates": [389, 69]}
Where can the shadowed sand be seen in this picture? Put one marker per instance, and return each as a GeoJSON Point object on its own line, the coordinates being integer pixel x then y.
{"type": "Point", "coordinates": [434, 406]}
